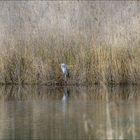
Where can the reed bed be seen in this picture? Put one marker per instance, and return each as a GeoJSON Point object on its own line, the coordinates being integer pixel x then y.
{"type": "Point", "coordinates": [39, 62]}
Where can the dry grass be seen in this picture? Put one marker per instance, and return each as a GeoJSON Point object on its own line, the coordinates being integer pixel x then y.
{"type": "Point", "coordinates": [39, 62]}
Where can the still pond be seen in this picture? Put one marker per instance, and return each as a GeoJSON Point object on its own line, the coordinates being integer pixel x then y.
{"type": "Point", "coordinates": [40, 112]}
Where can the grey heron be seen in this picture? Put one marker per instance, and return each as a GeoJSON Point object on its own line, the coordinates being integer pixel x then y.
{"type": "Point", "coordinates": [65, 70]}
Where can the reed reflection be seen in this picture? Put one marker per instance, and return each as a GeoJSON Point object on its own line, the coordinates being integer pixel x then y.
{"type": "Point", "coordinates": [86, 113]}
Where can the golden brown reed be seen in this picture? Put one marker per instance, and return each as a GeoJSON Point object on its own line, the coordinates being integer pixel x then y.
{"type": "Point", "coordinates": [39, 62]}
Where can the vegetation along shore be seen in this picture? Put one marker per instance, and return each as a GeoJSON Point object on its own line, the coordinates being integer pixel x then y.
{"type": "Point", "coordinates": [99, 42]}
{"type": "Point", "coordinates": [88, 64]}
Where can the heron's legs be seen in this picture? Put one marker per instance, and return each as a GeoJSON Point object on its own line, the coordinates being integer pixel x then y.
{"type": "Point", "coordinates": [65, 79]}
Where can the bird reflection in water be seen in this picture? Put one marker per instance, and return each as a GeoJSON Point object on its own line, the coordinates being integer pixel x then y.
{"type": "Point", "coordinates": [65, 99]}
{"type": "Point", "coordinates": [66, 95]}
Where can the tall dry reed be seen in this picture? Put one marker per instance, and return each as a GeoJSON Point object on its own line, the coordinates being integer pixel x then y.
{"type": "Point", "coordinates": [38, 62]}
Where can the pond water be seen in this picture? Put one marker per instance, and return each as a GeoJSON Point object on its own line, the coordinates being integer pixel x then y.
{"type": "Point", "coordinates": [40, 112]}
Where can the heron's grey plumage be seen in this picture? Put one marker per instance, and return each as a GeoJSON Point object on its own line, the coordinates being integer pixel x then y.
{"type": "Point", "coordinates": [65, 70]}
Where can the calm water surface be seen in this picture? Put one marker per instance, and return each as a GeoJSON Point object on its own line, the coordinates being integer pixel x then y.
{"type": "Point", "coordinates": [69, 113]}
